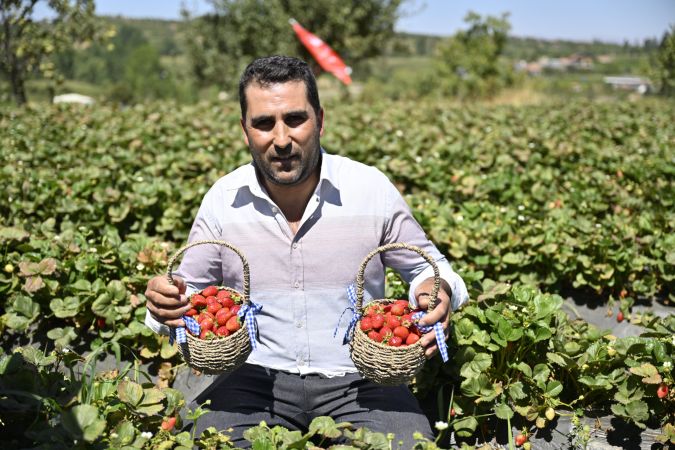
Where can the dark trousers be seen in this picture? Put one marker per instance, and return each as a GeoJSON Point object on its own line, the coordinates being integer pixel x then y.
{"type": "Point", "coordinates": [253, 393]}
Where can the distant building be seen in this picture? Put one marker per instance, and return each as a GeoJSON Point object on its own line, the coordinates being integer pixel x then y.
{"type": "Point", "coordinates": [627, 83]}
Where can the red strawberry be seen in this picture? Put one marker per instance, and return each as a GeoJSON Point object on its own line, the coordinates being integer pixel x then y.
{"type": "Point", "coordinates": [377, 321]}
{"type": "Point", "coordinates": [374, 309]}
{"type": "Point", "coordinates": [411, 339]}
{"type": "Point", "coordinates": [395, 341]}
{"type": "Point", "coordinates": [398, 309]}
{"type": "Point", "coordinates": [206, 324]}
{"type": "Point", "coordinates": [198, 301]}
{"type": "Point", "coordinates": [401, 332]}
{"type": "Point", "coordinates": [452, 412]}
{"type": "Point", "coordinates": [393, 321]}
{"type": "Point", "coordinates": [233, 324]}
{"type": "Point", "coordinates": [192, 312]}
{"type": "Point", "coordinates": [619, 316]}
{"type": "Point", "coordinates": [209, 291]}
{"type": "Point", "coordinates": [235, 309]}
{"type": "Point", "coordinates": [374, 335]}
{"type": "Point", "coordinates": [223, 293]}
{"type": "Point", "coordinates": [406, 320]}
{"type": "Point", "coordinates": [386, 333]}
{"type": "Point", "coordinates": [205, 334]}
{"type": "Point", "coordinates": [223, 315]}
{"type": "Point", "coordinates": [662, 390]}
{"type": "Point", "coordinates": [214, 307]}
{"type": "Point", "coordinates": [222, 331]}
{"type": "Point", "coordinates": [227, 302]}
{"type": "Point", "coordinates": [168, 423]}
{"type": "Point", "coordinates": [521, 439]}
{"type": "Point", "coordinates": [100, 322]}
{"type": "Point", "coordinates": [203, 315]}
{"type": "Point", "coordinates": [366, 324]}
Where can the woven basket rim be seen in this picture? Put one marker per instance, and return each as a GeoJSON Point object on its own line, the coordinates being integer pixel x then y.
{"type": "Point", "coordinates": [195, 339]}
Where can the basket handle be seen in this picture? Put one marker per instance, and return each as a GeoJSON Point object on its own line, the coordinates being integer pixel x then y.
{"type": "Point", "coordinates": [247, 274]}
{"type": "Point", "coordinates": [394, 246]}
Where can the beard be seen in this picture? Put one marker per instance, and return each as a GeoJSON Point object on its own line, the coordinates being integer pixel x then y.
{"type": "Point", "coordinates": [287, 172]}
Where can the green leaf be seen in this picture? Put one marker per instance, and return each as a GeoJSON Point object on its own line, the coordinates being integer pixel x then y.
{"type": "Point", "coordinates": [26, 307]}
{"type": "Point", "coordinates": [638, 411]}
{"type": "Point", "coordinates": [512, 258]}
{"type": "Point", "coordinates": [117, 290]}
{"type": "Point", "coordinates": [480, 362]}
{"type": "Point", "coordinates": [494, 291]}
{"type": "Point", "coordinates": [13, 234]}
{"type": "Point", "coordinates": [516, 391]}
{"type": "Point", "coordinates": [83, 422]}
{"type": "Point", "coordinates": [649, 373]}
{"type": "Point", "coordinates": [466, 426]}
{"type": "Point", "coordinates": [556, 358]}
{"type": "Point", "coordinates": [126, 432]}
{"type": "Point", "coordinates": [541, 373]}
{"type": "Point", "coordinates": [130, 392]}
{"type": "Point", "coordinates": [67, 307]}
{"type": "Point", "coordinates": [503, 411]}
{"type": "Point", "coordinates": [554, 388]}
{"type": "Point", "coordinates": [325, 426]}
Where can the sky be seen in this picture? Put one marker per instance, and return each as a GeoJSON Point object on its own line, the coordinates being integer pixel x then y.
{"type": "Point", "coordinates": [577, 20]}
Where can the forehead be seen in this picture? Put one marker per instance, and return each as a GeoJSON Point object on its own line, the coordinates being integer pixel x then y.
{"type": "Point", "coordinates": [276, 98]}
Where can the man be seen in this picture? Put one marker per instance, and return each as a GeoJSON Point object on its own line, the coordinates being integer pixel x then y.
{"type": "Point", "coordinates": [305, 220]}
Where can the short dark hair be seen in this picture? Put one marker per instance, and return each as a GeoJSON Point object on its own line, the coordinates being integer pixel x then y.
{"type": "Point", "coordinates": [278, 69]}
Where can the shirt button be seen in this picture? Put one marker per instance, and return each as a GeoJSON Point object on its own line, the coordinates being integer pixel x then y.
{"type": "Point", "coordinates": [298, 324]}
{"type": "Point", "coordinates": [295, 245]}
{"type": "Point", "coordinates": [275, 210]}
{"type": "Point", "coordinates": [296, 284]}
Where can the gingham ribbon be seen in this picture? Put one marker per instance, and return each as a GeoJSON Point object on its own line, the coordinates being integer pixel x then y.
{"type": "Point", "coordinates": [247, 313]}
{"type": "Point", "coordinates": [179, 333]}
{"type": "Point", "coordinates": [351, 295]}
{"type": "Point", "coordinates": [440, 335]}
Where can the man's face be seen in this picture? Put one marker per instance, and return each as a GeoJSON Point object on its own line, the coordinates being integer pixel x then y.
{"type": "Point", "coordinates": [282, 131]}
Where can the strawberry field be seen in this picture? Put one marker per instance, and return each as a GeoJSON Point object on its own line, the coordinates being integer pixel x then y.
{"type": "Point", "coordinates": [531, 204]}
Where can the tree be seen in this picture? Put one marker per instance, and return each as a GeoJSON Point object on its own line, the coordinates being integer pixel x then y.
{"type": "Point", "coordinates": [665, 63]}
{"type": "Point", "coordinates": [221, 43]}
{"type": "Point", "coordinates": [27, 44]}
{"type": "Point", "coordinates": [470, 63]}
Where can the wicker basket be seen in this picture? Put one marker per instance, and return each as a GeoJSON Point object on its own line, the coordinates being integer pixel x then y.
{"type": "Point", "coordinates": [222, 354]}
{"type": "Point", "coordinates": [379, 362]}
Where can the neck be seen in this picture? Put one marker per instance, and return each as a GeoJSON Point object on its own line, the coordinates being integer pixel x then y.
{"type": "Point", "coordinates": [292, 200]}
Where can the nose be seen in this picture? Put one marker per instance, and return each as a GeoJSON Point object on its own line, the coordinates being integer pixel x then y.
{"type": "Point", "coordinates": [282, 138]}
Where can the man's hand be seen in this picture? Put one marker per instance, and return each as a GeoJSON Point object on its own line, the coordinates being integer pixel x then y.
{"type": "Point", "coordinates": [440, 313]}
{"type": "Point", "coordinates": [167, 303]}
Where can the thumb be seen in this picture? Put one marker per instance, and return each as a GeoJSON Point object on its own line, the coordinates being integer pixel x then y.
{"type": "Point", "coordinates": [180, 284]}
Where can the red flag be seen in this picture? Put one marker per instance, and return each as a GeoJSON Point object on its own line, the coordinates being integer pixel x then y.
{"type": "Point", "coordinates": [322, 53]}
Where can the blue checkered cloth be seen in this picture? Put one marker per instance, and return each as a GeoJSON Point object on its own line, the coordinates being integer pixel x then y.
{"type": "Point", "coordinates": [356, 316]}
{"type": "Point", "coordinates": [247, 314]}
{"type": "Point", "coordinates": [178, 334]}
{"type": "Point", "coordinates": [440, 335]}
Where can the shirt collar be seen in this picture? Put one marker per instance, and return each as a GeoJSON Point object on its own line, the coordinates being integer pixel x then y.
{"type": "Point", "coordinates": [249, 178]}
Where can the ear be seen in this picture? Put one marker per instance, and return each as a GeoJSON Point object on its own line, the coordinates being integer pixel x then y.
{"type": "Point", "coordinates": [242, 122]}
{"type": "Point", "coordinates": [320, 121]}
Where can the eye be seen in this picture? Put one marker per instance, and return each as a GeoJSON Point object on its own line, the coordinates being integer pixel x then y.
{"type": "Point", "coordinates": [263, 124]}
{"type": "Point", "coordinates": [295, 120]}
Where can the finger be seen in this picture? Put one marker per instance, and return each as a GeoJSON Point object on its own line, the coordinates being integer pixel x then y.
{"type": "Point", "coordinates": [438, 314]}
{"type": "Point", "coordinates": [430, 351]}
{"type": "Point", "coordinates": [180, 284]}
{"type": "Point", "coordinates": [164, 301]}
{"type": "Point", "coordinates": [161, 285]}
{"type": "Point", "coordinates": [164, 315]}
{"type": "Point", "coordinates": [175, 323]}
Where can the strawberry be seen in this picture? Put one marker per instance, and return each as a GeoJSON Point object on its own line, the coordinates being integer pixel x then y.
{"type": "Point", "coordinates": [209, 291]}
{"type": "Point", "coordinates": [100, 323]}
{"type": "Point", "coordinates": [398, 309]}
{"type": "Point", "coordinates": [452, 412]}
{"type": "Point", "coordinates": [412, 339]}
{"type": "Point", "coordinates": [206, 324]}
{"type": "Point", "coordinates": [168, 423]}
{"type": "Point", "coordinates": [374, 335]}
{"type": "Point", "coordinates": [223, 293]}
{"type": "Point", "coordinates": [521, 439]}
{"type": "Point", "coordinates": [619, 316]}
{"type": "Point", "coordinates": [386, 333]}
{"type": "Point", "coordinates": [198, 300]}
{"type": "Point", "coordinates": [233, 324]}
{"type": "Point", "coordinates": [377, 321]}
{"type": "Point", "coordinates": [222, 331]}
{"type": "Point", "coordinates": [407, 320]}
{"type": "Point", "coordinates": [214, 307]}
{"type": "Point", "coordinates": [235, 309]}
{"type": "Point", "coordinates": [662, 390]}
{"type": "Point", "coordinates": [393, 321]}
{"type": "Point", "coordinates": [374, 309]}
{"type": "Point", "coordinates": [401, 332]}
{"type": "Point", "coordinates": [366, 324]}
{"type": "Point", "coordinates": [227, 302]}
{"type": "Point", "coordinates": [205, 334]}
{"type": "Point", "coordinates": [203, 315]}
{"type": "Point", "coordinates": [223, 315]}
{"type": "Point", "coordinates": [191, 312]}
{"type": "Point", "coordinates": [395, 341]}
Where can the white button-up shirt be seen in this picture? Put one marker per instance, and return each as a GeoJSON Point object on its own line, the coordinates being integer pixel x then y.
{"type": "Point", "coordinates": [301, 280]}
